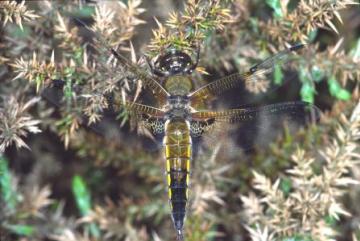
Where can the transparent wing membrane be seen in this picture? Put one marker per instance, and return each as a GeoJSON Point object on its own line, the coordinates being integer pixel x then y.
{"type": "Point", "coordinates": [54, 93]}
{"type": "Point", "coordinates": [254, 113]}
{"type": "Point", "coordinates": [245, 128]}
{"type": "Point", "coordinates": [137, 108]}
{"type": "Point", "coordinates": [270, 62]}
{"type": "Point", "coordinates": [148, 82]}
{"type": "Point", "coordinates": [108, 126]}
{"type": "Point", "coordinates": [255, 80]}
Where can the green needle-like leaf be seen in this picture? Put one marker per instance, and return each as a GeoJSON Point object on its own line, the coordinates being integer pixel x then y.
{"type": "Point", "coordinates": [83, 201]}
{"type": "Point", "coordinates": [307, 92]}
{"type": "Point", "coordinates": [276, 6]}
{"type": "Point", "coordinates": [330, 220]}
{"type": "Point", "coordinates": [285, 185]}
{"type": "Point", "coordinates": [336, 89]}
{"type": "Point", "coordinates": [20, 229]}
{"type": "Point", "coordinates": [7, 194]}
{"type": "Point", "coordinates": [82, 195]}
{"type": "Point", "coordinates": [278, 75]}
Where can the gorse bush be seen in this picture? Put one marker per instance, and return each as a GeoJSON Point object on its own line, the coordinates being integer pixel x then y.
{"type": "Point", "coordinates": [72, 166]}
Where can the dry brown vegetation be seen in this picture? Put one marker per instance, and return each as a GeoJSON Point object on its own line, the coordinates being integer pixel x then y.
{"type": "Point", "coordinates": [302, 186]}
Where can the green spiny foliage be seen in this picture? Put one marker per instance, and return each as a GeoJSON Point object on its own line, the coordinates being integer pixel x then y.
{"type": "Point", "coordinates": [42, 42]}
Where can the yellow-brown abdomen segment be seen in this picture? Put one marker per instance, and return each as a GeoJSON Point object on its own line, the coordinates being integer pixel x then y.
{"type": "Point", "coordinates": [178, 151]}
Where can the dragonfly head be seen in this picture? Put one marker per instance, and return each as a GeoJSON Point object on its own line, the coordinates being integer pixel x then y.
{"type": "Point", "coordinates": [174, 62]}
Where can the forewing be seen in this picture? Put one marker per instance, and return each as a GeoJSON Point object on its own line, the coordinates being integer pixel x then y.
{"type": "Point", "coordinates": [256, 80]}
{"type": "Point", "coordinates": [112, 71]}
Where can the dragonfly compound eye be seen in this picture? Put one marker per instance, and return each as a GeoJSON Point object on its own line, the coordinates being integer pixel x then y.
{"type": "Point", "coordinates": [174, 62]}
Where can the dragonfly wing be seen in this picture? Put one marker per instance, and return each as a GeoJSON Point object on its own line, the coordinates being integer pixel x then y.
{"type": "Point", "coordinates": [255, 80]}
{"type": "Point", "coordinates": [145, 117]}
{"type": "Point", "coordinates": [54, 93]}
{"type": "Point", "coordinates": [251, 126]}
{"type": "Point", "coordinates": [148, 82]}
{"type": "Point", "coordinates": [289, 109]}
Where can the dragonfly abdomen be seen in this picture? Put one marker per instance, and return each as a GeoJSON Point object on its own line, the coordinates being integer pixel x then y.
{"type": "Point", "coordinates": [178, 151]}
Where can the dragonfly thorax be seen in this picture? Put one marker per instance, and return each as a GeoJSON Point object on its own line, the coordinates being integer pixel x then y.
{"type": "Point", "coordinates": [178, 85]}
{"type": "Point", "coordinates": [178, 106]}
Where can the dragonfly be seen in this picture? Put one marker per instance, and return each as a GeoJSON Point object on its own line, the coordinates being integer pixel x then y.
{"type": "Point", "coordinates": [179, 115]}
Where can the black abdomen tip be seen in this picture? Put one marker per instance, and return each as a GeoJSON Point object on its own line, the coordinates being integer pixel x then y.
{"type": "Point", "coordinates": [297, 47]}
{"type": "Point", "coordinates": [179, 235]}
